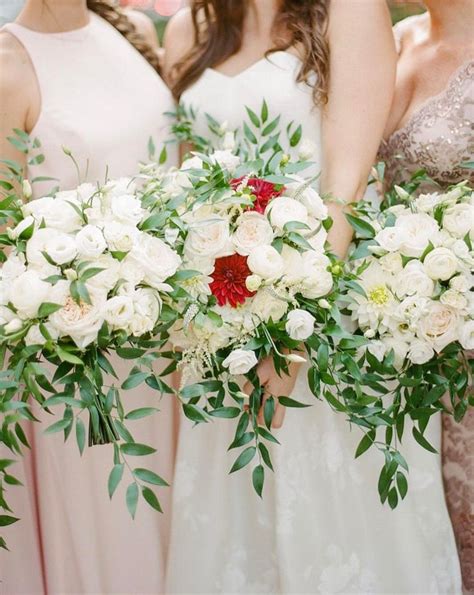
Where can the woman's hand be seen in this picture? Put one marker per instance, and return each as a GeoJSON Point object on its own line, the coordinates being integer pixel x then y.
{"type": "Point", "coordinates": [274, 386]}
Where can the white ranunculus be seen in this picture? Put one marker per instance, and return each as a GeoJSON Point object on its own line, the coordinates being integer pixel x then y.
{"type": "Point", "coordinates": [56, 213]}
{"type": "Point", "coordinates": [378, 349]}
{"type": "Point", "coordinates": [413, 280]}
{"type": "Point", "coordinates": [300, 325]}
{"type": "Point", "coordinates": [240, 361]}
{"type": "Point", "coordinates": [16, 232]}
{"type": "Point", "coordinates": [466, 335]}
{"type": "Point", "coordinates": [454, 299]}
{"type": "Point", "coordinates": [207, 238]}
{"type": "Point", "coordinates": [156, 258]}
{"type": "Point", "coordinates": [283, 210]}
{"type": "Point", "coordinates": [121, 237]}
{"type": "Point", "coordinates": [441, 264]}
{"type": "Point", "coordinates": [266, 262]}
{"type": "Point", "coordinates": [458, 219]}
{"type": "Point", "coordinates": [400, 349]}
{"type": "Point", "coordinates": [118, 312]}
{"type": "Point", "coordinates": [460, 283]}
{"type": "Point", "coordinates": [226, 159]}
{"type": "Point", "coordinates": [420, 352]}
{"type": "Point", "coordinates": [108, 278]}
{"type": "Point", "coordinates": [127, 209]}
{"type": "Point", "coordinates": [81, 322]}
{"type": "Point", "coordinates": [307, 150]}
{"type": "Point", "coordinates": [391, 262]}
{"type": "Point", "coordinates": [418, 230]}
{"type": "Point", "coordinates": [61, 248]}
{"type": "Point", "coordinates": [90, 242]}
{"type": "Point", "coordinates": [253, 230]}
{"type": "Point", "coordinates": [391, 238]}
{"type": "Point", "coordinates": [265, 306]}
{"type": "Point", "coordinates": [439, 326]}
{"type": "Point", "coordinates": [28, 292]}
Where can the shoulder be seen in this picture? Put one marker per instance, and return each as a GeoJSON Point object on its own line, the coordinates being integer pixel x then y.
{"type": "Point", "coordinates": [144, 25]}
{"type": "Point", "coordinates": [15, 64]}
{"type": "Point", "coordinates": [367, 15]}
{"type": "Point", "coordinates": [179, 37]}
{"type": "Point", "coordinates": [406, 30]}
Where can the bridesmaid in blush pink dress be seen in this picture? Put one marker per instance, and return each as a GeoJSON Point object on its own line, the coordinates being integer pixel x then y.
{"type": "Point", "coordinates": [71, 78]}
{"type": "Point", "coordinates": [432, 128]}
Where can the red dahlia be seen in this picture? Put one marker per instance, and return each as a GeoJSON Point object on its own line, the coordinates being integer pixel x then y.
{"type": "Point", "coordinates": [263, 191]}
{"type": "Point", "coordinates": [229, 277]}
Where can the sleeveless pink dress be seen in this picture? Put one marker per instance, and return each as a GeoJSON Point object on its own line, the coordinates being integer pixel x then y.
{"type": "Point", "coordinates": [102, 100]}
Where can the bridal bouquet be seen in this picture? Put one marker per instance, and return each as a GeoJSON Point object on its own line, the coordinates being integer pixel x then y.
{"type": "Point", "coordinates": [257, 280]}
{"type": "Point", "coordinates": [83, 279]}
{"type": "Point", "coordinates": [414, 263]}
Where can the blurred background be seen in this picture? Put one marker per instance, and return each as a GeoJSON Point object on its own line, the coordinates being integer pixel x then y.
{"type": "Point", "coordinates": [161, 10]}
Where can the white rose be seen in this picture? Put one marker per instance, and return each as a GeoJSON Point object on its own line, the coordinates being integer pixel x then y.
{"type": "Point", "coordinates": [147, 303]}
{"type": "Point", "coordinates": [439, 326]}
{"type": "Point", "coordinates": [309, 198]}
{"type": "Point", "coordinates": [253, 230]}
{"type": "Point", "coordinates": [119, 187]}
{"type": "Point", "coordinates": [118, 312]}
{"type": "Point", "coordinates": [458, 219]}
{"type": "Point", "coordinates": [441, 263]}
{"type": "Point", "coordinates": [400, 349]}
{"type": "Point", "coordinates": [108, 278]}
{"type": "Point", "coordinates": [317, 240]}
{"type": "Point", "coordinates": [240, 361]}
{"type": "Point", "coordinates": [293, 264]}
{"type": "Point", "coordinates": [283, 209]}
{"type": "Point", "coordinates": [378, 349]}
{"type": "Point", "coordinates": [413, 280]}
{"type": "Point", "coordinates": [427, 202]}
{"type": "Point", "coordinates": [418, 229]}
{"type": "Point", "coordinates": [127, 209]}
{"type": "Point", "coordinates": [36, 245]}
{"type": "Point", "coordinates": [156, 258]}
{"type": "Point", "coordinates": [391, 238]}
{"type": "Point", "coordinates": [307, 150]}
{"type": "Point", "coordinates": [90, 242]}
{"type": "Point", "coordinates": [16, 232]}
{"type": "Point", "coordinates": [131, 271]}
{"type": "Point", "coordinates": [192, 163]}
{"type": "Point", "coordinates": [300, 325]}
{"type": "Point", "coordinates": [61, 248]}
{"type": "Point", "coordinates": [411, 309]}
{"type": "Point", "coordinates": [226, 159]}
{"type": "Point", "coordinates": [81, 322]}
{"type": "Point", "coordinates": [56, 213]}
{"type": "Point", "coordinates": [391, 262]}
{"type": "Point", "coordinates": [35, 337]}
{"type": "Point", "coordinates": [420, 352]}
{"type": "Point", "coordinates": [316, 280]}
{"type": "Point", "coordinates": [459, 283]}
{"type": "Point", "coordinates": [207, 238]}
{"type": "Point", "coordinates": [13, 266]}
{"type": "Point", "coordinates": [266, 262]}
{"type": "Point", "coordinates": [28, 292]}
{"type": "Point", "coordinates": [466, 335]}
{"type": "Point", "coordinates": [265, 306]}
{"type": "Point", "coordinates": [454, 299]}
{"type": "Point", "coordinates": [121, 237]}
{"type": "Point", "coordinates": [140, 325]}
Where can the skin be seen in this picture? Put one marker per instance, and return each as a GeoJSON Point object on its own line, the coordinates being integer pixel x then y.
{"type": "Point", "coordinates": [21, 110]}
{"type": "Point", "coordinates": [433, 46]}
{"type": "Point", "coordinates": [362, 66]}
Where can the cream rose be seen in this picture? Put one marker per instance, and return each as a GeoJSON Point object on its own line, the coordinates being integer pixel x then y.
{"type": "Point", "coordinates": [156, 258]}
{"type": "Point", "coordinates": [240, 361]}
{"type": "Point", "coordinates": [253, 230]}
{"type": "Point", "coordinates": [121, 237]}
{"type": "Point", "coordinates": [90, 242]}
{"type": "Point", "coordinates": [283, 210]}
{"type": "Point", "coordinates": [118, 312]}
{"type": "Point", "coordinates": [413, 280]}
{"type": "Point", "coordinates": [391, 262]}
{"type": "Point", "coordinates": [208, 238]}
{"type": "Point", "coordinates": [460, 283]}
{"type": "Point", "coordinates": [454, 299]}
{"type": "Point", "coordinates": [108, 278]}
{"type": "Point", "coordinates": [466, 335]}
{"type": "Point", "coordinates": [420, 352]}
{"type": "Point", "coordinates": [266, 262]}
{"type": "Point", "coordinates": [27, 292]}
{"type": "Point", "coordinates": [441, 264]}
{"type": "Point", "coordinates": [300, 325]}
{"type": "Point", "coordinates": [400, 349]}
{"type": "Point", "coordinates": [439, 326]}
{"type": "Point", "coordinates": [127, 209]}
{"type": "Point", "coordinates": [458, 219]}
{"type": "Point", "coordinates": [418, 229]}
{"type": "Point", "coordinates": [266, 306]}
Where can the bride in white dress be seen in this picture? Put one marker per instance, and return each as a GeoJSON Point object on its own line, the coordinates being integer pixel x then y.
{"type": "Point", "coordinates": [320, 527]}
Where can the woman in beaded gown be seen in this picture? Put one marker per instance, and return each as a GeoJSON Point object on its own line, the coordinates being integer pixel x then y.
{"type": "Point", "coordinates": [89, 81]}
{"type": "Point", "coordinates": [320, 527]}
{"type": "Point", "coordinates": [432, 128]}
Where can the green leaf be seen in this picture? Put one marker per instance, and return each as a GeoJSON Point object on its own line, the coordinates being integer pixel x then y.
{"type": "Point", "coordinates": [265, 455]}
{"type": "Point", "coordinates": [80, 434]}
{"type": "Point", "coordinates": [268, 411]}
{"type": "Point", "coordinates": [62, 424]}
{"type": "Point", "coordinates": [258, 478]}
{"type": "Point", "coordinates": [393, 498]}
{"type": "Point", "coordinates": [264, 112]}
{"type": "Point", "coordinates": [267, 435]}
{"type": "Point", "coordinates": [134, 380]}
{"type": "Point", "coordinates": [244, 459]}
{"type": "Point", "coordinates": [149, 477]}
{"type": "Point", "coordinates": [195, 413]}
{"type": "Point", "coordinates": [363, 228]}
{"type": "Point", "coordinates": [130, 352]}
{"type": "Point", "coordinates": [271, 127]}
{"type": "Point", "coordinates": [140, 413]}
{"type": "Point", "coordinates": [48, 308]}
{"type": "Point", "coordinates": [296, 137]}
{"type": "Point", "coordinates": [253, 117]}
{"type": "Point", "coordinates": [402, 484]}
{"type": "Point", "coordinates": [115, 478]}
{"type": "Point", "coordinates": [66, 356]}
{"type": "Point", "coordinates": [151, 498]}
{"type": "Point", "coordinates": [422, 441]}
{"type": "Point", "coordinates": [287, 402]}
{"type": "Point", "coordinates": [136, 450]}
{"type": "Point", "coordinates": [131, 498]}
{"type": "Point", "coordinates": [163, 156]}
{"type": "Point", "coordinates": [5, 520]}
{"type": "Point", "coordinates": [250, 135]}
{"type": "Point", "coordinates": [225, 412]}
{"type": "Point", "coordinates": [365, 443]}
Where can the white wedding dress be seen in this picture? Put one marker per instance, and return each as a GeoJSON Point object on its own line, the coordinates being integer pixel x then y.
{"type": "Point", "coordinates": [320, 527]}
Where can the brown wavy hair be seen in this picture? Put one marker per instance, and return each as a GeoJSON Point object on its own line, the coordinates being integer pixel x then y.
{"type": "Point", "coordinates": [108, 10]}
{"type": "Point", "coordinates": [218, 28]}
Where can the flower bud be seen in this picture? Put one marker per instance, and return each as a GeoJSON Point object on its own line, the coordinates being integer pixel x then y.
{"type": "Point", "coordinates": [26, 189]}
{"type": "Point", "coordinates": [13, 326]}
{"type": "Point", "coordinates": [253, 282]}
{"type": "Point", "coordinates": [324, 304]}
{"type": "Point", "coordinates": [369, 334]}
{"type": "Point", "coordinates": [336, 269]}
{"type": "Point", "coordinates": [403, 194]}
{"type": "Point", "coordinates": [297, 359]}
{"type": "Point", "coordinates": [284, 160]}
{"type": "Point", "coordinates": [71, 274]}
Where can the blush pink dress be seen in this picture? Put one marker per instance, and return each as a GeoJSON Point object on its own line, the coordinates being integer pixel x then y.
{"type": "Point", "coordinates": [439, 138]}
{"type": "Point", "coordinates": [103, 101]}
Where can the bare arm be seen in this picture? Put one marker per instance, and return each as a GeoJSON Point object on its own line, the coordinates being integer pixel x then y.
{"type": "Point", "coordinates": [178, 41]}
{"type": "Point", "coordinates": [145, 26]}
{"type": "Point", "coordinates": [362, 79]}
